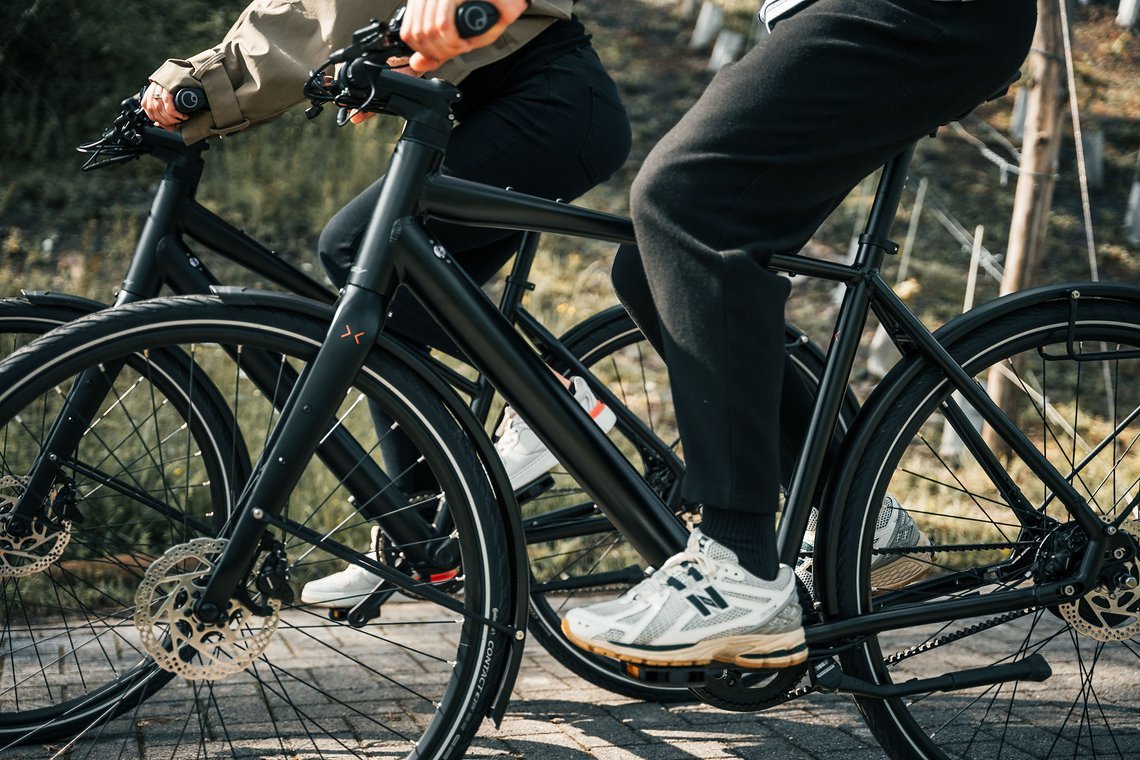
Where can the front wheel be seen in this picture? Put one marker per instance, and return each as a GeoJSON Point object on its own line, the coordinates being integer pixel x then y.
{"type": "Point", "coordinates": [1069, 373]}
{"type": "Point", "coordinates": [418, 677]}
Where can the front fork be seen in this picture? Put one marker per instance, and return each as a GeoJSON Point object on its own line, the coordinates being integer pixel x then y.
{"type": "Point", "coordinates": [304, 420]}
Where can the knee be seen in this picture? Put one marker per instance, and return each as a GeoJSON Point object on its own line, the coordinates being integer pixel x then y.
{"type": "Point", "coordinates": [651, 199]}
{"type": "Point", "coordinates": [336, 248]}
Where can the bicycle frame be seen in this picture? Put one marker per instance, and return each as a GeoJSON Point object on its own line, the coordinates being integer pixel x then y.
{"type": "Point", "coordinates": [396, 249]}
{"type": "Point", "coordinates": [162, 258]}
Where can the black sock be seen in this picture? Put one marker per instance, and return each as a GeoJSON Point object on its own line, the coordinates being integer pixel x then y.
{"type": "Point", "coordinates": [751, 535]}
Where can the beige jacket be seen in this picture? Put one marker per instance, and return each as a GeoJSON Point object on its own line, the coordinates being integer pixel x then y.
{"type": "Point", "coordinates": [259, 69]}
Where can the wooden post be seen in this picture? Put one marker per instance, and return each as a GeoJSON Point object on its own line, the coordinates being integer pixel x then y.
{"type": "Point", "coordinates": [1094, 158]}
{"type": "Point", "coordinates": [709, 23]}
{"type": "Point", "coordinates": [726, 49]}
{"type": "Point", "coordinates": [911, 232]}
{"type": "Point", "coordinates": [1040, 148]}
{"type": "Point", "coordinates": [951, 447]}
{"type": "Point", "coordinates": [1132, 217]}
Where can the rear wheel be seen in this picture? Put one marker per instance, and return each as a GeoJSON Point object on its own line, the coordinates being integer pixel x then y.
{"type": "Point", "coordinates": [418, 677]}
{"type": "Point", "coordinates": [1070, 374]}
{"type": "Point", "coordinates": [576, 557]}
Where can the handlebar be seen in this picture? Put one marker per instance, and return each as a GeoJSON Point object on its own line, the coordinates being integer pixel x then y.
{"type": "Point", "coordinates": [367, 58]}
{"type": "Point", "coordinates": [190, 99]}
{"type": "Point", "coordinates": [471, 19]}
{"type": "Point", "coordinates": [133, 135]}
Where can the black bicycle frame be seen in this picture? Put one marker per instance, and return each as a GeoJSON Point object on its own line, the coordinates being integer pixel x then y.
{"type": "Point", "coordinates": [161, 258]}
{"type": "Point", "coordinates": [396, 248]}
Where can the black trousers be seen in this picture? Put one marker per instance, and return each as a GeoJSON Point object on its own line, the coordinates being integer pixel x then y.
{"type": "Point", "coordinates": [769, 150]}
{"type": "Point", "coordinates": [553, 129]}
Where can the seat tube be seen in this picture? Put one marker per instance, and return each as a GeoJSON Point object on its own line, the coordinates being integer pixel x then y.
{"type": "Point", "coordinates": [874, 244]}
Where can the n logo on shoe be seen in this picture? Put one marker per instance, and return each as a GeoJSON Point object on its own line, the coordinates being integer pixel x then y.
{"type": "Point", "coordinates": [706, 599]}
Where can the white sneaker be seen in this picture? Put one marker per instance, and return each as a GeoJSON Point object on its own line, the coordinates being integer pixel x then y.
{"type": "Point", "coordinates": [895, 529]}
{"type": "Point", "coordinates": [352, 585]}
{"type": "Point", "coordinates": [524, 456]}
{"type": "Point", "coordinates": [699, 607]}
{"type": "Point", "coordinates": [348, 587]}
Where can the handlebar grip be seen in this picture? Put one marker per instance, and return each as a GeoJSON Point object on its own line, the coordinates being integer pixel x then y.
{"type": "Point", "coordinates": [190, 99]}
{"type": "Point", "coordinates": [475, 17]}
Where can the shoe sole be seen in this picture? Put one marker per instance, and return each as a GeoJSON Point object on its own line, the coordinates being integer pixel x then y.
{"type": "Point", "coordinates": [761, 651]}
{"type": "Point", "coordinates": [898, 573]}
{"type": "Point", "coordinates": [903, 570]}
{"type": "Point", "coordinates": [605, 419]}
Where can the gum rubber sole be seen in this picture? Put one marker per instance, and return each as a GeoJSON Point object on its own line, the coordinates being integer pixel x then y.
{"type": "Point", "coordinates": [784, 650]}
{"type": "Point", "coordinates": [904, 570]}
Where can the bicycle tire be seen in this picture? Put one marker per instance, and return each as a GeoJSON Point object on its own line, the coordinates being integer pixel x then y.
{"type": "Point", "coordinates": [21, 321]}
{"type": "Point", "coordinates": [432, 670]}
{"type": "Point", "coordinates": [621, 359]}
{"type": "Point", "coordinates": [1077, 410]}
{"type": "Point", "coordinates": [207, 473]}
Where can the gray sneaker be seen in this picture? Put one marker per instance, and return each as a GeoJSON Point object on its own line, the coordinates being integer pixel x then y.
{"type": "Point", "coordinates": [699, 607]}
{"type": "Point", "coordinates": [895, 529]}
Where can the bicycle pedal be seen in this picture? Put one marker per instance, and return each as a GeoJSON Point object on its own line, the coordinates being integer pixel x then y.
{"type": "Point", "coordinates": [667, 676]}
{"type": "Point", "coordinates": [447, 581]}
{"type": "Point", "coordinates": [534, 489]}
{"type": "Point", "coordinates": [339, 614]}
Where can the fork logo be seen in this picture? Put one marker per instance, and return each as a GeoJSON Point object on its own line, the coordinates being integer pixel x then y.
{"type": "Point", "coordinates": [348, 333]}
{"type": "Point", "coordinates": [706, 599]}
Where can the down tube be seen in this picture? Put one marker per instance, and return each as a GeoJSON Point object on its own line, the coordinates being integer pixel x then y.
{"type": "Point", "coordinates": [501, 354]}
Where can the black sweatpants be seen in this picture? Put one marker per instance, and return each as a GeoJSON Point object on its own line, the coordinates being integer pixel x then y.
{"type": "Point", "coordinates": [769, 150]}
{"type": "Point", "coordinates": [552, 129]}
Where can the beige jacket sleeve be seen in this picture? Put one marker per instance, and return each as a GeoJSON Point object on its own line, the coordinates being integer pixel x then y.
{"type": "Point", "coordinates": [259, 69]}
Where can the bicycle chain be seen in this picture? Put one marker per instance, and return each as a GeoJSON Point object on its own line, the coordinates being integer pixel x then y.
{"type": "Point", "coordinates": [958, 635]}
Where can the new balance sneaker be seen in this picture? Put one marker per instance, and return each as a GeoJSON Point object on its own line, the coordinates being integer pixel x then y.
{"type": "Point", "coordinates": [699, 607]}
{"type": "Point", "coordinates": [524, 456]}
{"type": "Point", "coordinates": [895, 530]}
{"type": "Point", "coordinates": [352, 585]}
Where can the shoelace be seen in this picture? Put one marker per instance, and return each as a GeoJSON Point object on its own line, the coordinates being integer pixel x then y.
{"type": "Point", "coordinates": [510, 428]}
{"type": "Point", "coordinates": [673, 568]}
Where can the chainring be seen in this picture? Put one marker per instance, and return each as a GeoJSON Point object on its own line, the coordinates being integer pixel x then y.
{"type": "Point", "coordinates": [754, 690]}
{"type": "Point", "coordinates": [1108, 616]}
{"type": "Point", "coordinates": [175, 638]}
{"type": "Point", "coordinates": [40, 549]}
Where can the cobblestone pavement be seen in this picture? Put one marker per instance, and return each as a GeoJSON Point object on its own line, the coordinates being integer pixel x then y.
{"type": "Point", "coordinates": [554, 715]}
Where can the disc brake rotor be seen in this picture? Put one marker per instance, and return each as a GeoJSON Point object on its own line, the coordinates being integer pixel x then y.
{"type": "Point", "coordinates": [174, 637]}
{"type": "Point", "coordinates": [35, 552]}
{"type": "Point", "coordinates": [1106, 616]}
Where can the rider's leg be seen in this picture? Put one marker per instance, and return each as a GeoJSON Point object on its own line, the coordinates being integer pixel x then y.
{"type": "Point", "coordinates": [774, 143]}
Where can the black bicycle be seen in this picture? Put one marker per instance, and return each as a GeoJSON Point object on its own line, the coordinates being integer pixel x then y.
{"type": "Point", "coordinates": [1033, 553]}
{"type": "Point", "coordinates": [574, 554]}
{"type": "Point", "coordinates": [606, 348]}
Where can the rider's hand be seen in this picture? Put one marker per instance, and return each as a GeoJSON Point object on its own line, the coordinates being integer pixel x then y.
{"type": "Point", "coordinates": [429, 28]}
{"type": "Point", "coordinates": [158, 105]}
